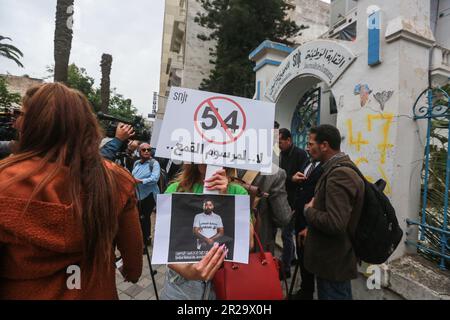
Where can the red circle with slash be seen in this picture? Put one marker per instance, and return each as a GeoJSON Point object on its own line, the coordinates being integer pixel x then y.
{"type": "Point", "coordinates": [210, 103]}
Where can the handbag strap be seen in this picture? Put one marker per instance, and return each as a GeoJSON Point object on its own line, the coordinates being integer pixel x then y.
{"type": "Point", "coordinates": [261, 249]}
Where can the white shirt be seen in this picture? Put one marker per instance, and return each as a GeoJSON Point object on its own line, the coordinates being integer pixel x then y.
{"type": "Point", "coordinates": [208, 224]}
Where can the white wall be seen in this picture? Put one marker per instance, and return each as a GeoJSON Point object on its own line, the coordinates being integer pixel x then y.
{"type": "Point", "coordinates": [388, 143]}
{"type": "Point", "coordinates": [385, 143]}
{"type": "Point", "coordinates": [325, 116]}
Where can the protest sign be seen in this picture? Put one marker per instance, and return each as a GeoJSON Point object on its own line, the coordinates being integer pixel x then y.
{"type": "Point", "coordinates": [216, 129]}
{"type": "Point", "coordinates": [188, 225]}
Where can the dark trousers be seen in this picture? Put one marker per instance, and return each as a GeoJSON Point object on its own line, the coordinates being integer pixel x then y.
{"type": "Point", "coordinates": [307, 285]}
{"type": "Point", "coordinates": [288, 253]}
{"type": "Point", "coordinates": [145, 210]}
{"type": "Point", "coordinates": [334, 290]}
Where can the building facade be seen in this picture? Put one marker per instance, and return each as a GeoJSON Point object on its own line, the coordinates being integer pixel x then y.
{"type": "Point", "coordinates": [366, 75]}
{"type": "Point", "coordinates": [185, 59]}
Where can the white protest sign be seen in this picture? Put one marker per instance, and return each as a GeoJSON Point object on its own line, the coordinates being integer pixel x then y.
{"type": "Point", "coordinates": [216, 129]}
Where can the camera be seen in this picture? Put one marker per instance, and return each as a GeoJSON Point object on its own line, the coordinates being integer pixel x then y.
{"type": "Point", "coordinates": [141, 132]}
{"type": "Point", "coordinates": [7, 118]}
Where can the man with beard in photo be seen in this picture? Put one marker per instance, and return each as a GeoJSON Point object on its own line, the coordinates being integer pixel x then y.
{"type": "Point", "coordinates": [208, 226]}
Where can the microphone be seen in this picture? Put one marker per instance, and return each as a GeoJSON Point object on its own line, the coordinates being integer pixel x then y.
{"type": "Point", "coordinates": [103, 116]}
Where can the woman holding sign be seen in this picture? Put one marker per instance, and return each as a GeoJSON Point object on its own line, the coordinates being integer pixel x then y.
{"type": "Point", "coordinates": [193, 281]}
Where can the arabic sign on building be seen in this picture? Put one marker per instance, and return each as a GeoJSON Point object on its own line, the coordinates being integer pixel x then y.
{"type": "Point", "coordinates": [324, 59]}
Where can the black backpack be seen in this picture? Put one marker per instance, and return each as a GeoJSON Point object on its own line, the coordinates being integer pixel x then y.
{"type": "Point", "coordinates": [377, 232]}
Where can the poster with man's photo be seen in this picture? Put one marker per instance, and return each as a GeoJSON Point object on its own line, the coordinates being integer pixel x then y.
{"type": "Point", "coordinates": [188, 225]}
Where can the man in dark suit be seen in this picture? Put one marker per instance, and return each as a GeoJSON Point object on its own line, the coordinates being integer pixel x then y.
{"type": "Point", "coordinates": [309, 178]}
{"type": "Point", "coordinates": [274, 211]}
{"type": "Point", "coordinates": [293, 160]}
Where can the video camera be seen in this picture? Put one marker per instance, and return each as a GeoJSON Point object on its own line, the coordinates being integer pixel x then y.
{"type": "Point", "coordinates": [141, 132]}
{"type": "Point", "coordinates": [7, 118]}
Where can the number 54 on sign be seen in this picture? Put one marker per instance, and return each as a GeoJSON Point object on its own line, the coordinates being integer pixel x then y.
{"type": "Point", "coordinates": [216, 129]}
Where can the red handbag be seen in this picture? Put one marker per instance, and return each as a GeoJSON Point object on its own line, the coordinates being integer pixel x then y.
{"type": "Point", "coordinates": [257, 280]}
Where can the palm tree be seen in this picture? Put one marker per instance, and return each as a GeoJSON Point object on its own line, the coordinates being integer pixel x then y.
{"type": "Point", "coordinates": [63, 38]}
{"type": "Point", "coordinates": [106, 82]}
{"type": "Point", "coordinates": [10, 52]}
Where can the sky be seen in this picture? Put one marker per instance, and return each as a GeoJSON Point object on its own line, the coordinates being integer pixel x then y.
{"type": "Point", "coordinates": [131, 31]}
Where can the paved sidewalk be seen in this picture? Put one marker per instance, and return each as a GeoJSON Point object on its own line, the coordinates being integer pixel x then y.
{"type": "Point", "coordinates": [143, 289]}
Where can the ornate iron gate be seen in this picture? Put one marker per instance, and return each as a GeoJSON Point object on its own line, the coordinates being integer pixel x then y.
{"type": "Point", "coordinates": [434, 234]}
{"type": "Point", "coordinates": [306, 116]}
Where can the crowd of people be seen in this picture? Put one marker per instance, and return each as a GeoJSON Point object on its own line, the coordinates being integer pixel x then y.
{"type": "Point", "coordinates": [68, 197]}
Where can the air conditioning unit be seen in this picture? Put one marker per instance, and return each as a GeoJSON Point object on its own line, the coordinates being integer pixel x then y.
{"type": "Point", "coordinates": [339, 10]}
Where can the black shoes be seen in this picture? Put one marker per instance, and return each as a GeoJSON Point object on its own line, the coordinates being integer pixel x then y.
{"type": "Point", "coordinates": [284, 275]}
{"type": "Point", "coordinates": [302, 295]}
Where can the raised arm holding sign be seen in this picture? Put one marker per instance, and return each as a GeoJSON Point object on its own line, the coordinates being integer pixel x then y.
{"type": "Point", "coordinates": [218, 131]}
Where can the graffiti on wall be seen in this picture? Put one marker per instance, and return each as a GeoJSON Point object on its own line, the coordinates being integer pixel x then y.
{"type": "Point", "coordinates": [364, 92]}
{"type": "Point", "coordinates": [370, 143]}
{"type": "Point", "coordinates": [383, 97]}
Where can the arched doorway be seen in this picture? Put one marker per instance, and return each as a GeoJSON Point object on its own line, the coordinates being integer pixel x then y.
{"type": "Point", "coordinates": [301, 86]}
{"type": "Point", "coordinates": [305, 102]}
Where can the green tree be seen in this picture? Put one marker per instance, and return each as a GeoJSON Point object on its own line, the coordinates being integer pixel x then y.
{"type": "Point", "coordinates": [63, 39]}
{"type": "Point", "coordinates": [10, 52]}
{"type": "Point", "coordinates": [239, 26]}
{"type": "Point", "coordinates": [122, 107]}
{"type": "Point", "coordinates": [77, 78]}
{"type": "Point", "coordinates": [7, 98]}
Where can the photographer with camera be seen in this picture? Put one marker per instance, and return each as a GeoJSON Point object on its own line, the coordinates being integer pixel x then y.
{"type": "Point", "coordinates": [8, 131]}
{"type": "Point", "coordinates": [146, 172]}
{"type": "Point", "coordinates": [113, 147]}
{"type": "Point", "coordinates": [5, 148]}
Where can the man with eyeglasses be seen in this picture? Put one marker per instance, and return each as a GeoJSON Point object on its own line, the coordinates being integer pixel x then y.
{"type": "Point", "coordinates": [146, 172]}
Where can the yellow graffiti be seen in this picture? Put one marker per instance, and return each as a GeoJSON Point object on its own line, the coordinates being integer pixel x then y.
{"type": "Point", "coordinates": [370, 179]}
{"type": "Point", "coordinates": [354, 142]}
{"type": "Point", "coordinates": [388, 189]}
{"type": "Point", "coordinates": [364, 160]}
{"type": "Point", "coordinates": [361, 160]}
{"type": "Point", "coordinates": [357, 141]}
{"type": "Point", "coordinates": [385, 145]}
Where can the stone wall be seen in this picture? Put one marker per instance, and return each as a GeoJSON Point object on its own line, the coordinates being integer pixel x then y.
{"type": "Point", "coordinates": [20, 84]}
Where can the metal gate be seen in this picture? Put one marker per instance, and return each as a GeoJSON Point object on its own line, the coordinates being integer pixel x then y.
{"type": "Point", "coordinates": [306, 116]}
{"type": "Point", "coordinates": [433, 106]}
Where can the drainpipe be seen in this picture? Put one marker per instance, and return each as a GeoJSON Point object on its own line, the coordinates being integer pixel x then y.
{"type": "Point", "coordinates": [430, 58]}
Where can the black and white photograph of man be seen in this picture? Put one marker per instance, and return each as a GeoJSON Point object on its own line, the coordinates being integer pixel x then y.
{"type": "Point", "coordinates": [188, 225]}
{"type": "Point", "coordinates": [208, 227]}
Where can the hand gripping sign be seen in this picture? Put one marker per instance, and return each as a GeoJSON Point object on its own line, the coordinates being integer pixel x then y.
{"type": "Point", "coordinates": [215, 129]}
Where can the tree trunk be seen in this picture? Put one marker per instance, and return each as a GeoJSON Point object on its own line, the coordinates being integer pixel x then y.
{"type": "Point", "coordinates": [106, 82]}
{"type": "Point", "coordinates": [63, 38]}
